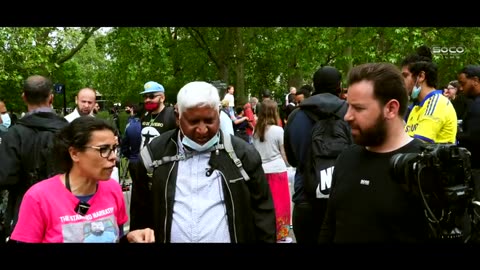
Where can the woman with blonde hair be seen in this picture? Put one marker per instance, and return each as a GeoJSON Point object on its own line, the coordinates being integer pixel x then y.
{"type": "Point", "coordinates": [268, 140]}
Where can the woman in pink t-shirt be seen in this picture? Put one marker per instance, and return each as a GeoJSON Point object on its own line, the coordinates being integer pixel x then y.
{"type": "Point", "coordinates": [83, 204]}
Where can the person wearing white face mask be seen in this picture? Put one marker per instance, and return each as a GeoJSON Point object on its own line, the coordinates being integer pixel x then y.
{"type": "Point", "coordinates": [199, 194]}
{"type": "Point", "coordinates": [430, 117]}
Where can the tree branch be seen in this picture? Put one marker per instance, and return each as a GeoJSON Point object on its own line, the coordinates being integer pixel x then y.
{"type": "Point", "coordinates": [201, 42]}
{"type": "Point", "coordinates": [87, 34]}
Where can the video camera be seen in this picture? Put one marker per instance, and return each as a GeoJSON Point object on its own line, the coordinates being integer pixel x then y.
{"type": "Point", "coordinates": [441, 175]}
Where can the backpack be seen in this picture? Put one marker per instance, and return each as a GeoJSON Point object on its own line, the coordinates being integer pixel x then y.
{"type": "Point", "coordinates": [37, 165]}
{"type": "Point", "coordinates": [330, 135]}
{"type": "Point", "coordinates": [150, 164]}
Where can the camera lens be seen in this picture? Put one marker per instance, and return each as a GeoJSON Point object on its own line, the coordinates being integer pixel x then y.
{"type": "Point", "coordinates": [400, 166]}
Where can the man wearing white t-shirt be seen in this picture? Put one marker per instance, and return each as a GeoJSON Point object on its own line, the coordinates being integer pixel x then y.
{"type": "Point", "coordinates": [231, 100]}
{"type": "Point", "coordinates": [85, 100]}
{"type": "Point", "coordinates": [292, 91]}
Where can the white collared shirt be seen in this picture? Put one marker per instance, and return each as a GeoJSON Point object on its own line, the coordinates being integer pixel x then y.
{"type": "Point", "coordinates": [199, 213]}
{"type": "Point", "coordinates": [74, 115]}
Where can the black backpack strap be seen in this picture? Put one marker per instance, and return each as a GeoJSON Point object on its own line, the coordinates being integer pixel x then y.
{"type": "Point", "coordinates": [150, 164]}
{"type": "Point", "coordinates": [227, 142]}
{"type": "Point", "coordinates": [312, 115]}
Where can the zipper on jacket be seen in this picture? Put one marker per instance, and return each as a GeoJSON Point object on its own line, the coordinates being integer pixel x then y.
{"type": "Point", "coordinates": [233, 205]}
{"type": "Point", "coordinates": [166, 196]}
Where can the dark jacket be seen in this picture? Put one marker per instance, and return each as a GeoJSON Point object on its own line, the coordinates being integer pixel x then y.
{"type": "Point", "coordinates": [16, 150]}
{"type": "Point", "coordinates": [132, 139]}
{"type": "Point", "coordinates": [249, 204]}
{"type": "Point", "coordinates": [461, 104]}
{"type": "Point", "coordinates": [17, 144]}
{"type": "Point", "coordinates": [470, 136]}
{"type": "Point", "coordinates": [298, 135]}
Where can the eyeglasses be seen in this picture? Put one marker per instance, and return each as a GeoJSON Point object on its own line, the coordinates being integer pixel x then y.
{"type": "Point", "coordinates": [151, 96]}
{"type": "Point", "coordinates": [104, 150]}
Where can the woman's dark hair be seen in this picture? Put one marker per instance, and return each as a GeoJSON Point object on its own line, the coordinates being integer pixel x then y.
{"type": "Point", "coordinates": [76, 134]}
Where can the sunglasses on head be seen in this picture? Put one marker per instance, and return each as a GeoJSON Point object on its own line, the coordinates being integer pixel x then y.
{"type": "Point", "coordinates": [151, 96]}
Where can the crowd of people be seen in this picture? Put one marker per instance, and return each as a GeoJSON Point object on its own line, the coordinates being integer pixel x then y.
{"type": "Point", "coordinates": [214, 169]}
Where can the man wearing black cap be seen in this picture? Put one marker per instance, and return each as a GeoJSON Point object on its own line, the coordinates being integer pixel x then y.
{"type": "Point", "coordinates": [310, 196]}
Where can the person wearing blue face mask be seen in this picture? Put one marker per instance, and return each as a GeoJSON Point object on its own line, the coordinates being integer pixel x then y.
{"type": "Point", "coordinates": [198, 192]}
{"type": "Point", "coordinates": [431, 116]}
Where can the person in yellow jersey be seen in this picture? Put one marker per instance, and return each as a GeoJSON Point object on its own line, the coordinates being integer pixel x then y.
{"type": "Point", "coordinates": [431, 116]}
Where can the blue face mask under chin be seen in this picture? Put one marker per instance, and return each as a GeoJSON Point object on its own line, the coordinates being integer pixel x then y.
{"type": "Point", "coordinates": [415, 92]}
{"type": "Point", "coordinates": [200, 148]}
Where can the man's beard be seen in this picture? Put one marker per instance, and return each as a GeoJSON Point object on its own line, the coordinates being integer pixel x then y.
{"type": "Point", "coordinates": [82, 113]}
{"type": "Point", "coordinates": [470, 93]}
{"type": "Point", "coordinates": [97, 232]}
{"type": "Point", "coordinates": [374, 135]}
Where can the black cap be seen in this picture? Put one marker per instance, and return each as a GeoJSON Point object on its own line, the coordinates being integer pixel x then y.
{"type": "Point", "coordinates": [326, 80]}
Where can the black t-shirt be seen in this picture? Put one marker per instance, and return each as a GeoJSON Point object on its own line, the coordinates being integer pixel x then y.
{"type": "Point", "coordinates": [470, 137]}
{"type": "Point", "coordinates": [367, 205]}
{"type": "Point", "coordinates": [155, 124]}
{"type": "Point", "coordinates": [461, 103]}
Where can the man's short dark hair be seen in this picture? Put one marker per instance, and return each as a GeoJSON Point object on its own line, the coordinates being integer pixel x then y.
{"type": "Point", "coordinates": [471, 71]}
{"type": "Point", "coordinates": [37, 89]}
{"type": "Point", "coordinates": [388, 82]}
{"type": "Point", "coordinates": [306, 90]}
{"type": "Point", "coordinates": [266, 93]}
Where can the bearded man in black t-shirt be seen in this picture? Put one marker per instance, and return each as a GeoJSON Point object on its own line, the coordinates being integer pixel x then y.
{"type": "Point", "coordinates": [158, 117]}
{"type": "Point", "coordinates": [366, 204]}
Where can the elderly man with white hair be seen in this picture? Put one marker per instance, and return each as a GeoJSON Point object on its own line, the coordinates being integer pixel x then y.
{"type": "Point", "coordinates": [199, 194]}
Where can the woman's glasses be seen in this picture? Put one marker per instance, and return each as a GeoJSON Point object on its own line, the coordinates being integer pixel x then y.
{"type": "Point", "coordinates": [104, 150]}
